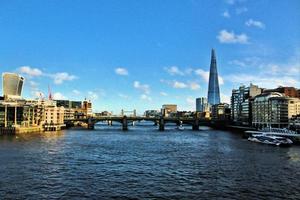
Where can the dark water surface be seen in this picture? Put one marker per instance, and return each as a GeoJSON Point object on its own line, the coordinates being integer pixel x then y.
{"type": "Point", "coordinates": [145, 164]}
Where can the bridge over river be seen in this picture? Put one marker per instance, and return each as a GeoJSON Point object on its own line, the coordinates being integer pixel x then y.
{"type": "Point", "coordinates": [125, 120]}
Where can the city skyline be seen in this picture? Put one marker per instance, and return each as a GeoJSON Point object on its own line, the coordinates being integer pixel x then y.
{"type": "Point", "coordinates": [150, 56]}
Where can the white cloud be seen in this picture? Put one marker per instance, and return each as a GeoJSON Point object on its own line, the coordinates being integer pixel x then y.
{"type": "Point", "coordinates": [225, 98]}
{"type": "Point", "coordinates": [264, 81]}
{"type": "Point", "coordinates": [30, 71]}
{"type": "Point", "coordinates": [60, 77]}
{"type": "Point", "coordinates": [174, 70]}
{"type": "Point", "coordinates": [254, 23]}
{"type": "Point", "coordinates": [143, 87]}
{"type": "Point", "coordinates": [93, 95]}
{"type": "Point", "coordinates": [179, 85]}
{"type": "Point", "coordinates": [58, 96]}
{"type": "Point", "coordinates": [269, 75]}
{"type": "Point", "coordinates": [190, 103]}
{"type": "Point", "coordinates": [163, 94]}
{"type": "Point", "coordinates": [146, 97]}
{"type": "Point", "coordinates": [194, 86]}
{"type": "Point", "coordinates": [238, 63]}
{"type": "Point", "coordinates": [121, 71]}
{"type": "Point", "coordinates": [205, 76]}
{"type": "Point", "coordinates": [230, 37]}
{"type": "Point", "coordinates": [226, 14]}
{"type": "Point", "coordinates": [76, 92]}
{"type": "Point", "coordinates": [33, 84]}
{"type": "Point", "coordinates": [241, 10]}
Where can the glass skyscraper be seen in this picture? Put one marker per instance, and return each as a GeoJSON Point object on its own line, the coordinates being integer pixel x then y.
{"type": "Point", "coordinates": [12, 85]}
{"type": "Point", "coordinates": [213, 96]}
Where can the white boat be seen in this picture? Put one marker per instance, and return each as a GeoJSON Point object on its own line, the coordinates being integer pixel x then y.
{"type": "Point", "coordinates": [180, 128]}
{"type": "Point", "coordinates": [281, 132]}
{"type": "Point", "coordinates": [272, 140]}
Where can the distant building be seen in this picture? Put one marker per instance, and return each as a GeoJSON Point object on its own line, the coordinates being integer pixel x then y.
{"type": "Point", "coordinates": [241, 104]}
{"type": "Point", "coordinates": [169, 110]}
{"type": "Point", "coordinates": [220, 111]}
{"type": "Point", "coordinates": [202, 104]}
{"type": "Point", "coordinates": [274, 109]}
{"type": "Point", "coordinates": [103, 114]}
{"type": "Point", "coordinates": [287, 91]}
{"type": "Point", "coordinates": [69, 104]}
{"type": "Point", "coordinates": [87, 108]}
{"type": "Point", "coordinates": [12, 85]}
{"type": "Point", "coordinates": [76, 109]}
{"type": "Point", "coordinates": [185, 114]}
{"type": "Point", "coordinates": [152, 113]}
{"type": "Point", "coordinates": [213, 96]}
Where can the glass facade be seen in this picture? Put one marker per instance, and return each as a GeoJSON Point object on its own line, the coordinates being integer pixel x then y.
{"type": "Point", "coordinates": [213, 96]}
{"type": "Point", "coordinates": [12, 85]}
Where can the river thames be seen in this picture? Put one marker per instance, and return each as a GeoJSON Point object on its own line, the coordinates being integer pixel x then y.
{"type": "Point", "coordinates": [144, 163]}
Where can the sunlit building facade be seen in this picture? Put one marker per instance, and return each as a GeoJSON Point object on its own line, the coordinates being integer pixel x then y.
{"type": "Point", "coordinates": [274, 109]}
{"type": "Point", "coordinates": [12, 85]}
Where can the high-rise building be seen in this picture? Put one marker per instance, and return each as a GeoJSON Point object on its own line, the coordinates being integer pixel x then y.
{"type": "Point", "coordinates": [241, 103]}
{"type": "Point", "coordinates": [213, 85]}
{"type": "Point", "coordinates": [202, 104]}
{"type": "Point", "coordinates": [12, 85]}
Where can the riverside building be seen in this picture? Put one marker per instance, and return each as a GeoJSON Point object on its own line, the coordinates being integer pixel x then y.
{"type": "Point", "coordinates": [241, 104]}
{"type": "Point", "coordinates": [274, 109]}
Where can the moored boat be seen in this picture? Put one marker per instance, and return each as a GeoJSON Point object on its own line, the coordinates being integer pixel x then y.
{"type": "Point", "coordinates": [271, 140]}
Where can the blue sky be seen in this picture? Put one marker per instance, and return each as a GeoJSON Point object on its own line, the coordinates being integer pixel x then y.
{"type": "Point", "coordinates": [142, 54]}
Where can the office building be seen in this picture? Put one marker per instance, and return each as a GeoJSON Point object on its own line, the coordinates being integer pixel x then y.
{"type": "Point", "coordinates": [274, 109]}
{"type": "Point", "coordinates": [202, 104]}
{"type": "Point", "coordinates": [12, 85]}
{"type": "Point", "coordinates": [213, 96]}
{"type": "Point", "coordinates": [241, 104]}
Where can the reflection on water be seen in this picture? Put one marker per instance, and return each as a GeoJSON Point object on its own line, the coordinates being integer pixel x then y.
{"type": "Point", "coordinates": [144, 163]}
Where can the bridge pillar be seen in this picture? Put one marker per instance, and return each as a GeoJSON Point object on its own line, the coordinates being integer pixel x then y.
{"type": "Point", "coordinates": [124, 124]}
{"type": "Point", "coordinates": [196, 125]}
{"type": "Point", "coordinates": [161, 124]}
{"type": "Point", "coordinates": [91, 124]}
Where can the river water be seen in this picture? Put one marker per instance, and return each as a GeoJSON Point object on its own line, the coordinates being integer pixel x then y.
{"type": "Point", "coordinates": [144, 163]}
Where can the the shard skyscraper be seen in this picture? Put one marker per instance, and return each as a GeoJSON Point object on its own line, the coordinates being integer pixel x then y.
{"type": "Point", "coordinates": [213, 96]}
